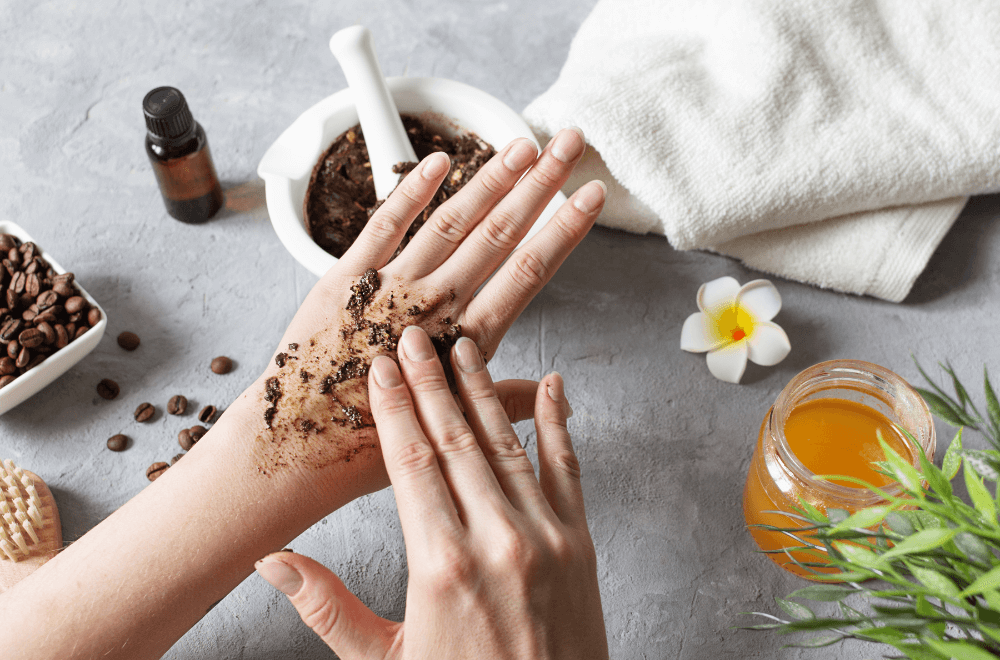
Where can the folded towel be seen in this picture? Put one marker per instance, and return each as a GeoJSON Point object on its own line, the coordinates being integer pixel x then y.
{"type": "Point", "coordinates": [738, 125]}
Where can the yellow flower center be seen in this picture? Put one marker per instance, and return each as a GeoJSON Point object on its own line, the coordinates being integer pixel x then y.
{"type": "Point", "coordinates": [732, 323]}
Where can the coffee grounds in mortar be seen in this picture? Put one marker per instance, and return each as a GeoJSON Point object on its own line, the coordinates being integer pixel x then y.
{"type": "Point", "coordinates": [341, 193]}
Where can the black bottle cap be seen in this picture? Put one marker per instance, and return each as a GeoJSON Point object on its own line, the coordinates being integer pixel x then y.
{"type": "Point", "coordinates": [167, 114]}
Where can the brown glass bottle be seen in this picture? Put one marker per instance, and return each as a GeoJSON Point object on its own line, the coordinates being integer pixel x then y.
{"type": "Point", "coordinates": [178, 150]}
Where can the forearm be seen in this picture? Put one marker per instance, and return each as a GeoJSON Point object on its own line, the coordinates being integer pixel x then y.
{"type": "Point", "coordinates": [135, 583]}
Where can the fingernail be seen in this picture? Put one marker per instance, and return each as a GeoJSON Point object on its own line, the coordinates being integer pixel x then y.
{"type": "Point", "coordinates": [590, 197]}
{"type": "Point", "coordinates": [556, 389]}
{"type": "Point", "coordinates": [386, 372]}
{"type": "Point", "coordinates": [521, 154]}
{"type": "Point", "coordinates": [569, 144]}
{"type": "Point", "coordinates": [280, 575]}
{"type": "Point", "coordinates": [416, 344]}
{"type": "Point", "coordinates": [468, 357]}
{"type": "Point", "coordinates": [435, 165]}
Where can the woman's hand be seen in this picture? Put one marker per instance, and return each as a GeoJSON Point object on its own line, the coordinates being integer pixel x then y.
{"type": "Point", "coordinates": [501, 564]}
{"type": "Point", "coordinates": [310, 408]}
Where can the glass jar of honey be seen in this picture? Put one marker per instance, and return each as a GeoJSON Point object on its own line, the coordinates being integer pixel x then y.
{"type": "Point", "coordinates": [825, 422]}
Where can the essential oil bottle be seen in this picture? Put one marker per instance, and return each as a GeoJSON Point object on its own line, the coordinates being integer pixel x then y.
{"type": "Point", "coordinates": [178, 150]}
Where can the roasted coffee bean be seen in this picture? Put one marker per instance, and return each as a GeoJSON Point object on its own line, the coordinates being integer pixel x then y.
{"type": "Point", "coordinates": [23, 358]}
{"type": "Point", "coordinates": [185, 440]}
{"type": "Point", "coordinates": [154, 471]}
{"type": "Point", "coordinates": [222, 365]}
{"type": "Point", "coordinates": [29, 314]}
{"type": "Point", "coordinates": [71, 330]}
{"type": "Point", "coordinates": [8, 241]}
{"type": "Point", "coordinates": [108, 389]}
{"type": "Point", "coordinates": [64, 277]}
{"type": "Point", "coordinates": [46, 299]}
{"type": "Point", "coordinates": [177, 405]}
{"type": "Point", "coordinates": [128, 340]}
{"type": "Point", "coordinates": [53, 314]}
{"type": "Point", "coordinates": [76, 304]}
{"type": "Point", "coordinates": [35, 267]}
{"type": "Point", "coordinates": [81, 331]}
{"type": "Point", "coordinates": [11, 329]}
{"type": "Point", "coordinates": [207, 414]}
{"type": "Point", "coordinates": [47, 332]}
{"type": "Point", "coordinates": [31, 337]}
{"type": "Point", "coordinates": [118, 442]}
{"type": "Point", "coordinates": [144, 412]}
{"type": "Point", "coordinates": [13, 348]}
{"type": "Point", "coordinates": [197, 432]}
{"type": "Point", "coordinates": [176, 458]}
{"type": "Point", "coordinates": [7, 367]}
{"type": "Point", "coordinates": [93, 316]}
{"type": "Point", "coordinates": [35, 361]}
{"type": "Point", "coordinates": [62, 337]}
{"type": "Point", "coordinates": [28, 251]}
{"type": "Point", "coordinates": [6, 380]}
{"type": "Point", "coordinates": [13, 301]}
{"type": "Point", "coordinates": [33, 286]}
{"type": "Point", "coordinates": [63, 289]}
{"type": "Point", "coordinates": [76, 318]}
{"type": "Point", "coordinates": [18, 282]}
{"type": "Point", "coordinates": [14, 255]}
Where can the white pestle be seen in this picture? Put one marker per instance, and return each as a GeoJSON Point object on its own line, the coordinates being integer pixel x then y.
{"type": "Point", "coordinates": [385, 136]}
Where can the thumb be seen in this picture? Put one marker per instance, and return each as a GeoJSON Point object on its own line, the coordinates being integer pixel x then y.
{"type": "Point", "coordinates": [518, 399]}
{"type": "Point", "coordinates": [347, 626]}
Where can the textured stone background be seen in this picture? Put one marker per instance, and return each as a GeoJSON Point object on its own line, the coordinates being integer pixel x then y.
{"type": "Point", "coordinates": [664, 446]}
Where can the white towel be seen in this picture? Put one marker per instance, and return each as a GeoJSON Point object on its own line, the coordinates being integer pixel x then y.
{"type": "Point", "coordinates": [738, 125]}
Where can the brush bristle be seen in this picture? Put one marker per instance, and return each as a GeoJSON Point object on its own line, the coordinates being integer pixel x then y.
{"type": "Point", "coordinates": [20, 513]}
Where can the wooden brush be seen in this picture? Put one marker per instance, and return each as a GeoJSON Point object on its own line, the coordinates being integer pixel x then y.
{"type": "Point", "coordinates": [30, 533]}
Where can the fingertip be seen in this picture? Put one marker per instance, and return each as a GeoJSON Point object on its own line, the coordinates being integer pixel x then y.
{"type": "Point", "coordinates": [385, 373]}
{"type": "Point", "coordinates": [435, 166]}
{"type": "Point", "coordinates": [590, 197]}
{"type": "Point", "coordinates": [281, 575]}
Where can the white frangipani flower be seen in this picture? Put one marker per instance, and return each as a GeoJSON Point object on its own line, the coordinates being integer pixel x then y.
{"type": "Point", "coordinates": [734, 325]}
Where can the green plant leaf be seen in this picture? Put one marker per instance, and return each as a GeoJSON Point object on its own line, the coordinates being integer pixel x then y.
{"type": "Point", "coordinates": [973, 547]}
{"type": "Point", "coordinates": [922, 541]}
{"type": "Point", "coordinates": [935, 478]}
{"type": "Point", "coordinates": [980, 497]}
{"type": "Point", "coordinates": [992, 599]}
{"type": "Point", "coordinates": [863, 519]}
{"type": "Point", "coordinates": [919, 652]}
{"type": "Point", "coordinates": [992, 405]}
{"type": "Point", "coordinates": [826, 593]}
{"type": "Point", "coordinates": [963, 396]}
{"type": "Point", "coordinates": [837, 515]}
{"type": "Point", "coordinates": [855, 554]}
{"type": "Point", "coordinates": [960, 650]}
{"type": "Point", "coordinates": [952, 458]}
{"type": "Point", "coordinates": [983, 461]}
{"type": "Point", "coordinates": [881, 634]}
{"type": "Point", "coordinates": [795, 610]}
{"type": "Point", "coordinates": [817, 642]}
{"type": "Point", "coordinates": [900, 523]}
{"type": "Point", "coordinates": [934, 580]}
{"type": "Point", "coordinates": [988, 581]}
{"type": "Point", "coordinates": [905, 473]}
{"type": "Point", "coordinates": [945, 409]}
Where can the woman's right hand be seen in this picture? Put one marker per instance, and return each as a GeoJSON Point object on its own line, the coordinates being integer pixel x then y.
{"type": "Point", "coordinates": [501, 564]}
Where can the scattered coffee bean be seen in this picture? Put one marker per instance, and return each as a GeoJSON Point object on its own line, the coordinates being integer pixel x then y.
{"type": "Point", "coordinates": [154, 471]}
{"type": "Point", "coordinates": [222, 365]}
{"type": "Point", "coordinates": [144, 412]}
{"type": "Point", "coordinates": [177, 405]}
{"type": "Point", "coordinates": [207, 414]}
{"type": "Point", "coordinates": [108, 389]}
{"type": "Point", "coordinates": [118, 442]}
{"type": "Point", "coordinates": [184, 439]}
{"type": "Point", "coordinates": [197, 432]}
{"type": "Point", "coordinates": [176, 458]}
{"type": "Point", "coordinates": [128, 340]}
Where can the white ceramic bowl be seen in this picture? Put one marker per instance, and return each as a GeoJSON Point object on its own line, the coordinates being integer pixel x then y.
{"type": "Point", "coordinates": [288, 163]}
{"type": "Point", "coordinates": [59, 362]}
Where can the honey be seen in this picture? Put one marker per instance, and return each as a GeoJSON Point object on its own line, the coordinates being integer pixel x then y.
{"type": "Point", "coordinates": [826, 422]}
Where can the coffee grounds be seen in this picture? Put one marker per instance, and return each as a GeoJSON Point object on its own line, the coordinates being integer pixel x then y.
{"type": "Point", "coordinates": [341, 193]}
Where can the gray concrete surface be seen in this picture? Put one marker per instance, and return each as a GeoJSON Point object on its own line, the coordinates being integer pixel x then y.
{"type": "Point", "coordinates": [664, 446]}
